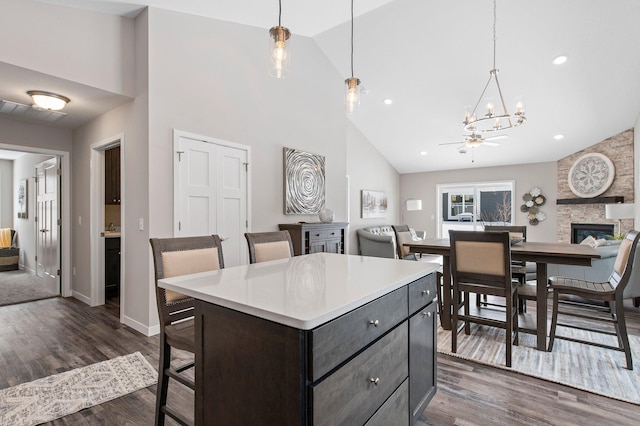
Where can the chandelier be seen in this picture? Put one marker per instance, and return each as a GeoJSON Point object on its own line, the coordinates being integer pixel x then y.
{"type": "Point", "coordinates": [494, 119]}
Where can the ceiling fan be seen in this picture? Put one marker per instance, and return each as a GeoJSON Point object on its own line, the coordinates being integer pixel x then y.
{"type": "Point", "coordinates": [475, 140]}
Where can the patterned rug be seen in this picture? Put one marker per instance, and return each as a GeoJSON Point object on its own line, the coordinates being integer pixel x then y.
{"type": "Point", "coordinates": [585, 367]}
{"type": "Point", "coordinates": [21, 286]}
{"type": "Point", "coordinates": [56, 396]}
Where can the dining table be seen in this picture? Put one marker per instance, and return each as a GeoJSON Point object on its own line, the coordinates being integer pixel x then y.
{"type": "Point", "coordinates": [542, 253]}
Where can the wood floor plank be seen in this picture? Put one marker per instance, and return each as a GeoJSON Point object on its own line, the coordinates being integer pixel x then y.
{"type": "Point", "coordinates": [49, 336]}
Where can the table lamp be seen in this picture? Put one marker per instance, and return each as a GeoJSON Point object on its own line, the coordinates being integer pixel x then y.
{"type": "Point", "coordinates": [619, 211]}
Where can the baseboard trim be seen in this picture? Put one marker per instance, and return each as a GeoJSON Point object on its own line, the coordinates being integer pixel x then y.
{"type": "Point", "coordinates": [81, 297]}
{"type": "Point", "coordinates": [141, 328]}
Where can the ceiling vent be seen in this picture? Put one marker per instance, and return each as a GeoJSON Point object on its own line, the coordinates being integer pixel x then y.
{"type": "Point", "coordinates": [30, 112]}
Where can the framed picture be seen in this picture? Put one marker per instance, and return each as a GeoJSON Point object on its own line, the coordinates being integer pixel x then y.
{"type": "Point", "coordinates": [304, 182]}
{"type": "Point", "coordinates": [374, 204]}
{"type": "Point", "coordinates": [23, 199]}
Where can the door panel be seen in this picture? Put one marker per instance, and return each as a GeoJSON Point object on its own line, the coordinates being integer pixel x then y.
{"type": "Point", "coordinates": [47, 192]}
{"type": "Point", "coordinates": [211, 194]}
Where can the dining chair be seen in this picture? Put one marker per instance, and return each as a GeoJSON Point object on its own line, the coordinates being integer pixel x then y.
{"type": "Point", "coordinates": [265, 246]}
{"type": "Point", "coordinates": [403, 235]}
{"type": "Point", "coordinates": [173, 257]}
{"type": "Point", "coordinates": [481, 264]}
{"type": "Point", "coordinates": [518, 267]}
{"type": "Point", "coordinates": [610, 292]}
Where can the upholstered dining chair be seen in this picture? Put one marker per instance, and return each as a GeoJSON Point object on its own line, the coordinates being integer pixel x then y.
{"type": "Point", "coordinates": [403, 236]}
{"type": "Point", "coordinates": [173, 257]}
{"type": "Point", "coordinates": [611, 291]}
{"type": "Point", "coordinates": [265, 246]}
{"type": "Point", "coordinates": [481, 264]}
{"type": "Point", "coordinates": [518, 268]}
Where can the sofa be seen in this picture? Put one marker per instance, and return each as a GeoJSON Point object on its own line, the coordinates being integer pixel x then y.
{"type": "Point", "coordinates": [380, 241]}
{"type": "Point", "coordinates": [10, 254]}
{"type": "Point", "coordinates": [599, 271]}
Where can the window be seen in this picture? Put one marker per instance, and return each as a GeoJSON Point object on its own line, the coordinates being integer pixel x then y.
{"type": "Point", "coordinates": [471, 206]}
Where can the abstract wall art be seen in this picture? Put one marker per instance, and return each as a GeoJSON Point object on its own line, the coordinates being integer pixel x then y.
{"type": "Point", "coordinates": [304, 182]}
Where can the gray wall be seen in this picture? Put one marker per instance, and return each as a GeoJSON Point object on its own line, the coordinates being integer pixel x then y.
{"type": "Point", "coordinates": [6, 193]}
{"type": "Point", "coordinates": [368, 169]}
{"type": "Point", "coordinates": [526, 176]}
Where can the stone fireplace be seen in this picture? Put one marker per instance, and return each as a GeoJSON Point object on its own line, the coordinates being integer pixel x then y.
{"type": "Point", "coordinates": [580, 231]}
{"type": "Point", "coordinates": [619, 149]}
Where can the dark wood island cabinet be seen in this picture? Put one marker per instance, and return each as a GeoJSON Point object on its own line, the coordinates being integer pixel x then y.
{"type": "Point", "coordinates": [322, 339]}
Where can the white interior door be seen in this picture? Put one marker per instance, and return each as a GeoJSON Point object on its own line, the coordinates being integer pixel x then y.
{"type": "Point", "coordinates": [47, 224]}
{"type": "Point", "coordinates": [211, 193]}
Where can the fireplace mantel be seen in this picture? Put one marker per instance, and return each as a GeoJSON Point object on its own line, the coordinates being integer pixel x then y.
{"type": "Point", "coordinates": [594, 200]}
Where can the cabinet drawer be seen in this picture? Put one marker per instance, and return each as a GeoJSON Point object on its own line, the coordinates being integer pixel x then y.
{"type": "Point", "coordinates": [422, 292]}
{"type": "Point", "coordinates": [394, 411]}
{"type": "Point", "coordinates": [334, 342]}
{"type": "Point", "coordinates": [352, 394]}
{"type": "Point", "coordinates": [315, 235]}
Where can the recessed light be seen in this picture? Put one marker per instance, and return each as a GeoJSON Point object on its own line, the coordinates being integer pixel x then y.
{"type": "Point", "coordinates": [558, 137]}
{"type": "Point", "coordinates": [558, 60]}
{"type": "Point", "coordinates": [387, 101]}
{"type": "Point", "coordinates": [423, 152]}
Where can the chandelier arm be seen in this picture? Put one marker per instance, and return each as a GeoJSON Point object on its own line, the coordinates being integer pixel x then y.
{"type": "Point", "coordinates": [481, 96]}
{"type": "Point", "coordinates": [504, 105]}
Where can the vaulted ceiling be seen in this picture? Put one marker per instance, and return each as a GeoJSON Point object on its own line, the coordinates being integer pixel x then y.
{"type": "Point", "coordinates": [432, 59]}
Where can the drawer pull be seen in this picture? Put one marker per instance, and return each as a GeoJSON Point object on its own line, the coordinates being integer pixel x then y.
{"type": "Point", "coordinates": [375, 381]}
{"type": "Point", "coordinates": [374, 323]}
{"type": "Point", "coordinates": [426, 292]}
{"type": "Point", "coordinates": [427, 314]}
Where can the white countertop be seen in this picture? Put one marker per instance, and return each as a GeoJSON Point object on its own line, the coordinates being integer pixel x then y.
{"type": "Point", "coordinates": [304, 291]}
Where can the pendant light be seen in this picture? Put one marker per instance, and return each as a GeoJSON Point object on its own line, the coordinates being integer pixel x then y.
{"type": "Point", "coordinates": [279, 54]}
{"type": "Point", "coordinates": [497, 116]}
{"type": "Point", "coordinates": [352, 99]}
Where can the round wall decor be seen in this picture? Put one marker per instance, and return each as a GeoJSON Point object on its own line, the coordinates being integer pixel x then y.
{"type": "Point", "coordinates": [591, 175]}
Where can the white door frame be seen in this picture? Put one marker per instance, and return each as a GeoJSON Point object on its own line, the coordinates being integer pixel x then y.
{"type": "Point", "coordinates": [64, 241]}
{"type": "Point", "coordinates": [97, 220]}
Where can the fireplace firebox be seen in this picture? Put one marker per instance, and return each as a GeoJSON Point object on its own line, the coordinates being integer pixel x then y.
{"type": "Point", "coordinates": [580, 231]}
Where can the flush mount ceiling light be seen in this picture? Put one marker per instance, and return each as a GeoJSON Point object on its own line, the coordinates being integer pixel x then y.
{"type": "Point", "coordinates": [279, 55]}
{"type": "Point", "coordinates": [559, 60]}
{"type": "Point", "coordinates": [387, 101]}
{"type": "Point", "coordinates": [352, 99]}
{"type": "Point", "coordinates": [47, 100]}
{"type": "Point", "coordinates": [494, 119]}
{"type": "Point", "coordinates": [558, 137]}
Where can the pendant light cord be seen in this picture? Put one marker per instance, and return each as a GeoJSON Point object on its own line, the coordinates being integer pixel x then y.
{"type": "Point", "coordinates": [494, 34]}
{"type": "Point", "coordinates": [279, 12]}
{"type": "Point", "coordinates": [351, 38]}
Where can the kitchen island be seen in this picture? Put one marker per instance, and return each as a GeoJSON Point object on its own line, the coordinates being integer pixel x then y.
{"type": "Point", "coordinates": [313, 340]}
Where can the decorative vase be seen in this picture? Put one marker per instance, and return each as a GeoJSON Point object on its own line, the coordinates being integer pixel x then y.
{"type": "Point", "coordinates": [325, 215]}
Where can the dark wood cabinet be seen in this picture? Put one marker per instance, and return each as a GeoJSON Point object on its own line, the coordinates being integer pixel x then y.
{"type": "Point", "coordinates": [111, 267]}
{"type": "Point", "coordinates": [375, 365]}
{"type": "Point", "coordinates": [317, 237]}
{"type": "Point", "coordinates": [112, 175]}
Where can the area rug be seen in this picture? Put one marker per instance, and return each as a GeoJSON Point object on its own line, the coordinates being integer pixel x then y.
{"type": "Point", "coordinates": [21, 286]}
{"type": "Point", "coordinates": [56, 396]}
{"type": "Point", "coordinates": [585, 367]}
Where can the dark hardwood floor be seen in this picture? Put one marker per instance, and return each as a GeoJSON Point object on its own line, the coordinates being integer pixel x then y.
{"type": "Point", "coordinates": [49, 336]}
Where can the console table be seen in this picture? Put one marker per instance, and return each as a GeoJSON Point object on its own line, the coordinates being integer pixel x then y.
{"type": "Point", "coordinates": [322, 339]}
{"type": "Point", "coordinates": [316, 237]}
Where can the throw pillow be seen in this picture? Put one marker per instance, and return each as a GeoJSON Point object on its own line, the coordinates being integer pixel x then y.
{"type": "Point", "coordinates": [590, 241]}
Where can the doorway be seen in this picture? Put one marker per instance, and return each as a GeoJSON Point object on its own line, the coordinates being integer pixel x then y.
{"type": "Point", "coordinates": [107, 225]}
{"type": "Point", "coordinates": [47, 183]}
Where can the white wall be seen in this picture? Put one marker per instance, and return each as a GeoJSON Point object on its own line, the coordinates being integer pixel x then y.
{"type": "Point", "coordinates": [526, 176]}
{"type": "Point", "coordinates": [368, 169]}
{"type": "Point", "coordinates": [636, 170]}
{"type": "Point", "coordinates": [219, 87]}
{"type": "Point", "coordinates": [6, 193]}
{"type": "Point", "coordinates": [91, 48]}
{"type": "Point", "coordinates": [24, 168]}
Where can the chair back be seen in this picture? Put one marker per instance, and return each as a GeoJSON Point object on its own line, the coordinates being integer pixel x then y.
{"type": "Point", "coordinates": [514, 231]}
{"type": "Point", "coordinates": [265, 246]}
{"type": "Point", "coordinates": [624, 264]}
{"type": "Point", "coordinates": [181, 256]}
{"type": "Point", "coordinates": [403, 236]}
{"type": "Point", "coordinates": [481, 258]}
